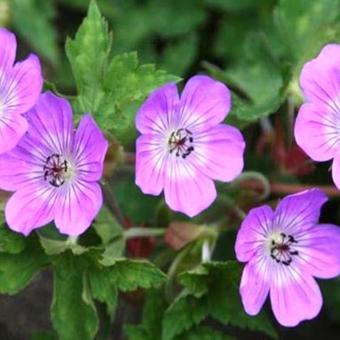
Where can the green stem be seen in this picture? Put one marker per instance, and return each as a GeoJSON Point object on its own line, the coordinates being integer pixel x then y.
{"type": "Point", "coordinates": [143, 232]}
{"type": "Point", "coordinates": [111, 202]}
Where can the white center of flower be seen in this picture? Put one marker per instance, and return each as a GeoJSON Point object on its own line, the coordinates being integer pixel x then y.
{"type": "Point", "coordinates": [57, 170]}
{"type": "Point", "coordinates": [281, 248]}
{"type": "Point", "coordinates": [180, 142]}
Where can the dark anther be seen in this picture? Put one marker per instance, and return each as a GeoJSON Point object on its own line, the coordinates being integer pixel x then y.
{"type": "Point", "coordinates": [291, 239]}
{"type": "Point", "coordinates": [180, 141]}
{"type": "Point", "coordinates": [281, 251]}
{"type": "Point", "coordinates": [288, 262]}
{"type": "Point", "coordinates": [55, 169]}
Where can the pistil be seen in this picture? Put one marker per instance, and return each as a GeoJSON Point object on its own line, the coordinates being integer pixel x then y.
{"type": "Point", "coordinates": [55, 170]}
{"type": "Point", "coordinates": [180, 142]}
{"type": "Point", "coordinates": [281, 250]}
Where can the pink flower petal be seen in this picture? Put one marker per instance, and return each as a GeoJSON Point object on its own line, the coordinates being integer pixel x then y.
{"type": "Point", "coordinates": [90, 147]}
{"type": "Point", "coordinates": [336, 170]}
{"type": "Point", "coordinates": [78, 204]}
{"type": "Point", "coordinates": [22, 85]}
{"type": "Point", "coordinates": [30, 207]}
{"type": "Point", "coordinates": [51, 123]}
{"type": "Point", "coordinates": [205, 102]}
{"type": "Point", "coordinates": [219, 152]}
{"type": "Point", "coordinates": [254, 285]}
{"type": "Point", "coordinates": [160, 111]}
{"type": "Point", "coordinates": [299, 211]}
{"type": "Point", "coordinates": [320, 77]}
{"type": "Point", "coordinates": [186, 189]}
{"type": "Point", "coordinates": [12, 128]}
{"type": "Point", "coordinates": [16, 170]}
{"type": "Point", "coordinates": [253, 232]}
{"type": "Point", "coordinates": [151, 159]}
{"type": "Point", "coordinates": [319, 250]}
{"type": "Point", "coordinates": [8, 48]}
{"type": "Point", "coordinates": [294, 295]}
{"type": "Point", "coordinates": [317, 131]}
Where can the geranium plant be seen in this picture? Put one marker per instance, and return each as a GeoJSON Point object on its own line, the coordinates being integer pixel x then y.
{"type": "Point", "coordinates": [169, 202]}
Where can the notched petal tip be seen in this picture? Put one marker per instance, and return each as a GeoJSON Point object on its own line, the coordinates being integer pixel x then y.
{"type": "Point", "coordinates": [296, 299]}
{"type": "Point", "coordinates": [159, 110]}
{"type": "Point", "coordinates": [318, 75]}
{"type": "Point", "coordinates": [301, 210]}
{"type": "Point", "coordinates": [189, 195]}
{"type": "Point", "coordinates": [204, 102]}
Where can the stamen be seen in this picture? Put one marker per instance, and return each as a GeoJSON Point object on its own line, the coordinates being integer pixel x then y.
{"type": "Point", "coordinates": [55, 170]}
{"type": "Point", "coordinates": [281, 250]}
{"type": "Point", "coordinates": [181, 142]}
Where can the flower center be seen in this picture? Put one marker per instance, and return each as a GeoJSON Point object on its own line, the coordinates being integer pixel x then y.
{"type": "Point", "coordinates": [281, 248]}
{"type": "Point", "coordinates": [56, 170]}
{"type": "Point", "coordinates": [180, 142]}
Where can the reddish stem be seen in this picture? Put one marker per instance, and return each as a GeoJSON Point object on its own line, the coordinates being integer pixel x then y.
{"type": "Point", "coordinates": [284, 188]}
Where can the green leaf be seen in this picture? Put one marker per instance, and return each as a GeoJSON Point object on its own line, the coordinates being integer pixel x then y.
{"type": "Point", "coordinates": [10, 242]}
{"type": "Point", "coordinates": [54, 247]}
{"type": "Point", "coordinates": [102, 288]}
{"type": "Point", "coordinates": [184, 313]}
{"type": "Point", "coordinates": [43, 335]}
{"type": "Point", "coordinates": [179, 55]}
{"type": "Point", "coordinates": [126, 84]}
{"type": "Point", "coordinates": [259, 76]}
{"type": "Point", "coordinates": [203, 333]}
{"type": "Point", "coordinates": [139, 207]}
{"type": "Point", "coordinates": [73, 313]}
{"type": "Point", "coordinates": [106, 226]}
{"type": "Point", "coordinates": [232, 5]}
{"type": "Point", "coordinates": [112, 251]}
{"type": "Point", "coordinates": [88, 54]}
{"type": "Point", "coordinates": [111, 234]}
{"type": "Point", "coordinates": [188, 15]}
{"type": "Point", "coordinates": [211, 290]}
{"type": "Point", "coordinates": [304, 26]}
{"type": "Point", "coordinates": [151, 326]}
{"type": "Point", "coordinates": [301, 29]}
{"type": "Point", "coordinates": [54, 243]}
{"type": "Point", "coordinates": [18, 269]}
{"type": "Point", "coordinates": [112, 89]}
{"type": "Point", "coordinates": [33, 20]}
{"type": "Point", "coordinates": [128, 275]}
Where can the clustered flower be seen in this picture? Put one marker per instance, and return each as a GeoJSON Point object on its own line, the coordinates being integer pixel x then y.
{"type": "Point", "coordinates": [53, 171]}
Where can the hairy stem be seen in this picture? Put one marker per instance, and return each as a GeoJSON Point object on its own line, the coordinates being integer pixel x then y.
{"type": "Point", "coordinates": [112, 204]}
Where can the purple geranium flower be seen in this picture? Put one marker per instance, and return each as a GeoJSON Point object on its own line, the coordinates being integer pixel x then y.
{"type": "Point", "coordinates": [54, 170]}
{"type": "Point", "coordinates": [20, 86]}
{"type": "Point", "coordinates": [284, 251]}
{"type": "Point", "coordinates": [183, 148]}
{"type": "Point", "coordinates": [317, 127]}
